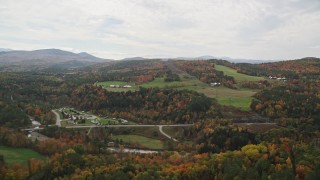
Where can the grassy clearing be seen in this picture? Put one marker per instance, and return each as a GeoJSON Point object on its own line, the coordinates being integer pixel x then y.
{"type": "Point", "coordinates": [241, 103]}
{"type": "Point", "coordinates": [177, 133]}
{"type": "Point", "coordinates": [18, 155]}
{"type": "Point", "coordinates": [237, 76]}
{"type": "Point", "coordinates": [224, 92]}
{"type": "Point", "coordinates": [88, 122]}
{"type": "Point", "coordinates": [186, 81]}
{"type": "Point", "coordinates": [239, 98]}
{"type": "Point", "coordinates": [160, 83]}
{"type": "Point", "coordinates": [141, 140]}
{"type": "Point", "coordinates": [150, 132]}
{"type": "Point", "coordinates": [108, 121]}
{"type": "Point", "coordinates": [63, 123]}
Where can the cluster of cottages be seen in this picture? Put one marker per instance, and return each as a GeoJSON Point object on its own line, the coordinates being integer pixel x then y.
{"type": "Point", "coordinates": [278, 78]}
{"type": "Point", "coordinates": [118, 86]}
{"type": "Point", "coordinates": [76, 117]}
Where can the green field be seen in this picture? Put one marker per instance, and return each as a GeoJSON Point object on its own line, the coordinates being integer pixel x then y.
{"type": "Point", "coordinates": [108, 121]}
{"type": "Point", "coordinates": [18, 155]}
{"type": "Point", "coordinates": [237, 76]}
{"type": "Point", "coordinates": [239, 98]}
{"type": "Point", "coordinates": [241, 103]}
{"type": "Point", "coordinates": [141, 140]}
{"type": "Point", "coordinates": [187, 82]}
{"type": "Point", "coordinates": [88, 122]}
{"type": "Point", "coordinates": [160, 83]}
{"type": "Point", "coordinates": [63, 123]}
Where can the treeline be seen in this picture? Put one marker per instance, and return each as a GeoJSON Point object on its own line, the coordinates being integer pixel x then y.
{"type": "Point", "coordinates": [29, 94]}
{"type": "Point", "coordinates": [146, 105]}
{"type": "Point", "coordinates": [11, 115]}
{"type": "Point", "coordinates": [217, 136]}
{"type": "Point", "coordinates": [129, 71]}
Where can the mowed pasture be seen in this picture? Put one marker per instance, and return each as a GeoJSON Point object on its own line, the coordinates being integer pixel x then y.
{"type": "Point", "coordinates": [240, 98]}
{"type": "Point", "coordinates": [145, 142]}
{"type": "Point", "coordinates": [18, 155]}
{"type": "Point", "coordinates": [237, 76]}
{"type": "Point", "coordinates": [160, 83]}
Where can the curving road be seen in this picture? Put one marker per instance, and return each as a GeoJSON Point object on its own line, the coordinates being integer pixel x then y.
{"type": "Point", "coordinates": [160, 129]}
{"type": "Point", "coordinates": [57, 118]}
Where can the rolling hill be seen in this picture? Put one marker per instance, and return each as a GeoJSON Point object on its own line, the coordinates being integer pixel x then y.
{"type": "Point", "coordinates": [46, 55]}
{"type": "Point", "coordinates": [17, 60]}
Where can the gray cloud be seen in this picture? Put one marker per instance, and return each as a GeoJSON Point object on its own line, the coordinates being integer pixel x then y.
{"type": "Point", "coordinates": [254, 31]}
{"type": "Point", "coordinates": [259, 29]}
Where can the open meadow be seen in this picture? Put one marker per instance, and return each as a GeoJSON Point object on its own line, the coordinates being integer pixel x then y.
{"type": "Point", "coordinates": [145, 142]}
{"type": "Point", "coordinates": [239, 77]}
{"type": "Point", "coordinates": [18, 155]}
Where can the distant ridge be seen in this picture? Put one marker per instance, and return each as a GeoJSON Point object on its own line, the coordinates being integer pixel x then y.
{"type": "Point", "coordinates": [134, 59]}
{"type": "Point", "coordinates": [5, 50]}
{"type": "Point", "coordinates": [50, 56]}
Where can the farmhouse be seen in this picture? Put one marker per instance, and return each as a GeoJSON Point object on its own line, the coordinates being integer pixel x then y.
{"type": "Point", "coordinates": [127, 86]}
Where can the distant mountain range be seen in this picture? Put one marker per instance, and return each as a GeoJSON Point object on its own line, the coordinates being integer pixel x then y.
{"type": "Point", "coordinates": [50, 56]}
{"type": "Point", "coordinates": [134, 59]}
{"type": "Point", "coordinates": [61, 57]}
{"type": "Point", "coordinates": [5, 50]}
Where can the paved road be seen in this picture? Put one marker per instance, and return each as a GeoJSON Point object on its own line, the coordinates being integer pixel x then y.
{"type": "Point", "coordinates": [57, 118]}
{"type": "Point", "coordinates": [160, 129]}
{"type": "Point", "coordinates": [109, 126]}
{"type": "Point", "coordinates": [133, 125]}
{"type": "Point", "coordinates": [89, 131]}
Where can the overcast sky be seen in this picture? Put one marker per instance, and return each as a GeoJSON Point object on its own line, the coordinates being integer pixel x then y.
{"type": "Point", "coordinates": [252, 29]}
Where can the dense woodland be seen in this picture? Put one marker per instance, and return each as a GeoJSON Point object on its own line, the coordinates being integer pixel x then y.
{"type": "Point", "coordinates": [219, 149]}
{"type": "Point", "coordinates": [307, 68]}
{"type": "Point", "coordinates": [222, 151]}
{"type": "Point", "coordinates": [146, 105]}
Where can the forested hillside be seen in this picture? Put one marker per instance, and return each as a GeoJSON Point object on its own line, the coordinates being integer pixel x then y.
{"type": "Point", "coordinates": [307, 68]}
{"type": "Point", "coordinates": [222, 142]}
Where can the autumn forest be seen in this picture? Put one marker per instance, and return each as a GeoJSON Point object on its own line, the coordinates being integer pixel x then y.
{"type": "Point", "coordinates": [196, 119]}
